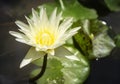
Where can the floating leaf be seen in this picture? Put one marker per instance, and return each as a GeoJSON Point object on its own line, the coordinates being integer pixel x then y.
{"type": "Point", "coordinates": [69, 67]}
{"type": "Point", "coordinates": [52, 74]}
{"type": "Point", "coordinates": [102, 42]}
{"type": "Point", "coordinates": [113, 5]}
{"type": "Point", "coordinates": [117, 40]}
{"type": "Point", "coordinates": [72, 9]}
{"type": "Point", "coordinates": [82, 38]}
{"type": "Point", "coordinates": [102, 45]}
{"type": "Point", "coordinates": [93, 39]}
{"type": "Point", "coordinates": [83, 43]}
{"type": "Point", "coordinates": [76, 68]}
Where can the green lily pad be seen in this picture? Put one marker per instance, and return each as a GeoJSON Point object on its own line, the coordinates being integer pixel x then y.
{"type": "Point", "coordinates": [82, 39]}
{"type": "Point", "coordinates": [113, 5]}
{"type": "Point", "coordinates": [52, 74]}
{"type": "Point", "coordinates": [72, 9]}
{"type": "Point", "coordinates": [117, 40]}
{"type": "Point", "coordinates": [102, 45]}
{"type": "Point", "coordinates": [69, 67]}
{"type": "Point", "coordinates": [93, 39]}
{"type": "Point", "coordinates": [76, 67]}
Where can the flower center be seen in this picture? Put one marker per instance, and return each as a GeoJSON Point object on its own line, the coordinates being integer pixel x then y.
{"type": "Point", "coordinates": [45, 38]}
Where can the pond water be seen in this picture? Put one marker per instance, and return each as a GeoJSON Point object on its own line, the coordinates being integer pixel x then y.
{"type": "Point", "coordinates": [103, 71]}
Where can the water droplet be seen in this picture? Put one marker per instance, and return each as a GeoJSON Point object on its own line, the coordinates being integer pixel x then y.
{"type": "Point", "coordinates": [97, 59]}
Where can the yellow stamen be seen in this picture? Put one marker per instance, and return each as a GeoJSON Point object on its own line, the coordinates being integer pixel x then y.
{"type": "Point", "coordinates": [45, 38]}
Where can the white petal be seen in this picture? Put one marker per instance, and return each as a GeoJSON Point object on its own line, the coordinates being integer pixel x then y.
{"type": "Point", "coordinates": [71, 32]}
{"type": "Point", "coordinates": [32, 26]}
{"type": "Point", "coordinates": [21, 40]}
{"type": "Point", "coordinates": [25, 32]}
{"type": "Point", "coordinates": [60, 51]}
{"type": "Point", "coordinates": [53, 16]}
{"type": "Point", "coordinates": [28, 34]}
{"type": "Point", "coordinates": [22, 25]}
{"type": "Point", "coordinates": [41, 13]}
{"type": "Point", "coordinates": [25, 62]}
{"type": "Point", "coordinates": [65, 24]}
{"type": "Point", "coordinates": [64, 52]}
{"type": "Point", "coordinates": [17, 34]}
{"type": "Point", "coordinates": [59, 42]}
{"type": "Point", "coordinates": [30, 22]}
{"type": "Point", "coordinates": [51, 52]}
{"type": "Point", "coordinates": [58, 19]}
{"type": "Point", "coordinates": [31, 56]}
{"type": "Point", "coordinates": [35, 16]}
{"type": "Point", "coordinates": [42, 23]}
{"type": "Point", "coordinates": [43, 17]}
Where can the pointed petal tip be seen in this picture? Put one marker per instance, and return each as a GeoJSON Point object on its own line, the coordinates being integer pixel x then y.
{"type": "Point", "coordinates": [25, 62]}
{"type": "Point", "coordinates": [13, 33]}
{"type": "Point", "coordinates": [26, 18]}
{"type": "Point", "coordinates": [78, 28]}
{"type": "Point", "coordinates": [10, 32]}
{"type": "Point", "coordinates": [33, 9]}
{"type": "Point", "coordinates": [17, 22]}
{"type": "Point", "coordinates": [55, 9]}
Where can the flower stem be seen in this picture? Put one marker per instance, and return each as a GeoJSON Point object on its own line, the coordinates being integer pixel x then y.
{"type": "Point", "coordinates": [62, 5]}
{"type": "Point", "coordinates": [42, 71]}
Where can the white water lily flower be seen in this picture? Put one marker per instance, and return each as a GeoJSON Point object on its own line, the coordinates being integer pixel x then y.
{"type": "Point", "coordinates": [43, 33]}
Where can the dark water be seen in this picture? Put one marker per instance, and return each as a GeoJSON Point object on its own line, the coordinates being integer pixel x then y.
{"type": "Point", "coordinates": [103, 71]}
{"type": "Point", "coordinates": [107, 70]}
